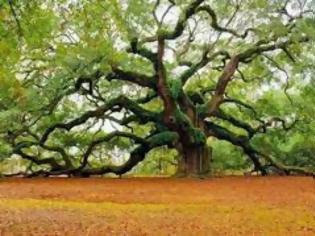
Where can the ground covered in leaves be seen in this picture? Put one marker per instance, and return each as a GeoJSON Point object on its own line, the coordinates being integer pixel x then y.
{"type": "Point", "coordinates": [158, 206]}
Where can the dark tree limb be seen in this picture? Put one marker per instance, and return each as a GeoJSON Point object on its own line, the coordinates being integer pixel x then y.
{"type": "Point", "coordinates": [215, 25]}
{"type": "Point", "coordinates": [205, 59]}
{"type": "Point", "coordinates": [107, 138]}
{"type": "Point", "coordinates": [20, 31]}
{"type": "Point", "coordinates": [238, 123]}
{"type": "Point", "coordinates": [120, 101]}
{"type": "Point", "coordinates": [51, 161]}
{"type": "Point", "coordinates": [241, 141]}
{"type": "Point", "coordinates": [244, 142]}
{"type": "Point", "coordinates": [222, 83]}
{"type": "Point", "coordinates": [240, 103]}
{"type": "Point", "coordinates": [136, 156]}
{"type": "Point", "coordinates": [142, 80]}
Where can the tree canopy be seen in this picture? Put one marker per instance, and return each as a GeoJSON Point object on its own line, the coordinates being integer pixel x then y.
{"type": "Point", "coordinates": [80, 79]}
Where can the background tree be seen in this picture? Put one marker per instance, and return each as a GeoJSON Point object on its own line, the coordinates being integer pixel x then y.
{"type": "Point", "coordinates": [79, 78]}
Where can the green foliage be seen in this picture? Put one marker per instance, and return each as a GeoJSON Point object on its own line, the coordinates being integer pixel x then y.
{"type": "Point", "coordinates": [175, 87]}
{"type": "Point", "coordinates": [162, 138]}
{"type": "Point", "coordinates": [227, 158]}
{"type": "Point", "coordinates": [199, 138]}
{"type": "Point", "coordinates": [5, 150]}
{"type": "Point", "coordinates": [159, 161]}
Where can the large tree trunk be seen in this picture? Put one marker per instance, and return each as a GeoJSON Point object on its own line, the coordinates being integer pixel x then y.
{"type": "Point", "coordinates": [195, 162]}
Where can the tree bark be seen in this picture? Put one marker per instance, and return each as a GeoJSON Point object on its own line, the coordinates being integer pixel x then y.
{"type": "Point", "coordinates": [195, 162]}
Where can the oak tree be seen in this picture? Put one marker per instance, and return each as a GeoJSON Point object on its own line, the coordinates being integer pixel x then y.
{"type": "Point", "coordinates": [176, 73]}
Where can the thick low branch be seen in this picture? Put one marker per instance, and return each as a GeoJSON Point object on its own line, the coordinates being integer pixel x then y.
{"type": "Point", "coordinates": [136, 156]}
{"type": "Point", "coordinates": [120, 101]}
{"type": "Point", "coordinates": [140, 79]}
{"type": "Point", "coordinates": [288, 169]}
{"type": "Point", "coordinates": [241, 141]}
{"type": "Point", "coordinates": [238, 123]}
{"type": "Point", "coordinates": [244, 142]}
{"type": "Point", "coordinates": [240, 103]}
{"type": "Point", "coordinates": [62, 152]}
{"type": "Point", "coordinates": [107, 138]}
{"type": "Point", "coordinates": [51, 161]}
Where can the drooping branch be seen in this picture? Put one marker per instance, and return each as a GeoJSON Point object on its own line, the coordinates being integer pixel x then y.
{"type": "Point", "coordinates": [51, 161]}
{"type": "Point", "coordinates": [279, 67]}
{"type": "Point", "coordinates": [120, 101]}
{"type": "Point", "coordinates": [18, 150]}
{"type": "Point", "coordinates": [288, 169]}
{"type": "Point", "coordinates": [241, 141]}
{"type": "Point", "coordinates": [107, 138]}
{"type": "Point", "coordinates": [255, 155]}
{"type": "Point", "coordinates": [62, 152]}
{"type": "Point", "coordinates": [262, 128]}
{"type": "Point", "coordinates": [215, 25]}
{"type": "Point", "coordinates": [136, 156]}
{"type": "Point", "coordinates": [238, 123]}
{"type": "Point", "coordinates": [240, 103]}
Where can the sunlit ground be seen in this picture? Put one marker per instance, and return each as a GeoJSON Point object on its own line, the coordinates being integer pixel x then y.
{"type": "Point", "coordinates": [158, 206]}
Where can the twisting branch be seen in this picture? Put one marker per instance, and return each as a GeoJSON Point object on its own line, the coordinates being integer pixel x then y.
{"type": "Point", "coordinates": [107, 138]}
{"type": "Point", "coordinates": [133, 77]}
{"type": "Point", "coordinates": [222, 83]}
{"type": "Point", "coordinates": [180, 25]}
{"type": "Point", "coordinates": [136, 156]}
{"type": "Point", "coordinates": [121, 102]}
{"type": "Point", "coordinates": [20, 31]}
{"type": "Point", "coordinates": [244, 142]}
{"type": "Point", "coordinates": [241, 141]}
{"type": "Point", "coordinates": [46, 161]}
{"type": "Point", "coordinates": [205, 59]}
{"type": "Point", "coordinates": [238, 123]}
{"type": "Point", "coordinates": [135, 48]}
{"type": "Point", "coordinates": [215, 25]}
{"type": "Point", "coordinates": [265, 124]}
{"type": "Point", "coordinates": [286, 87]}
{"type": "Point", "coordinates": [230, 68]}
{"type": "Point", "coordinates": [251, 53]}
{"type": "Point", "coordinates": [240, 103]}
